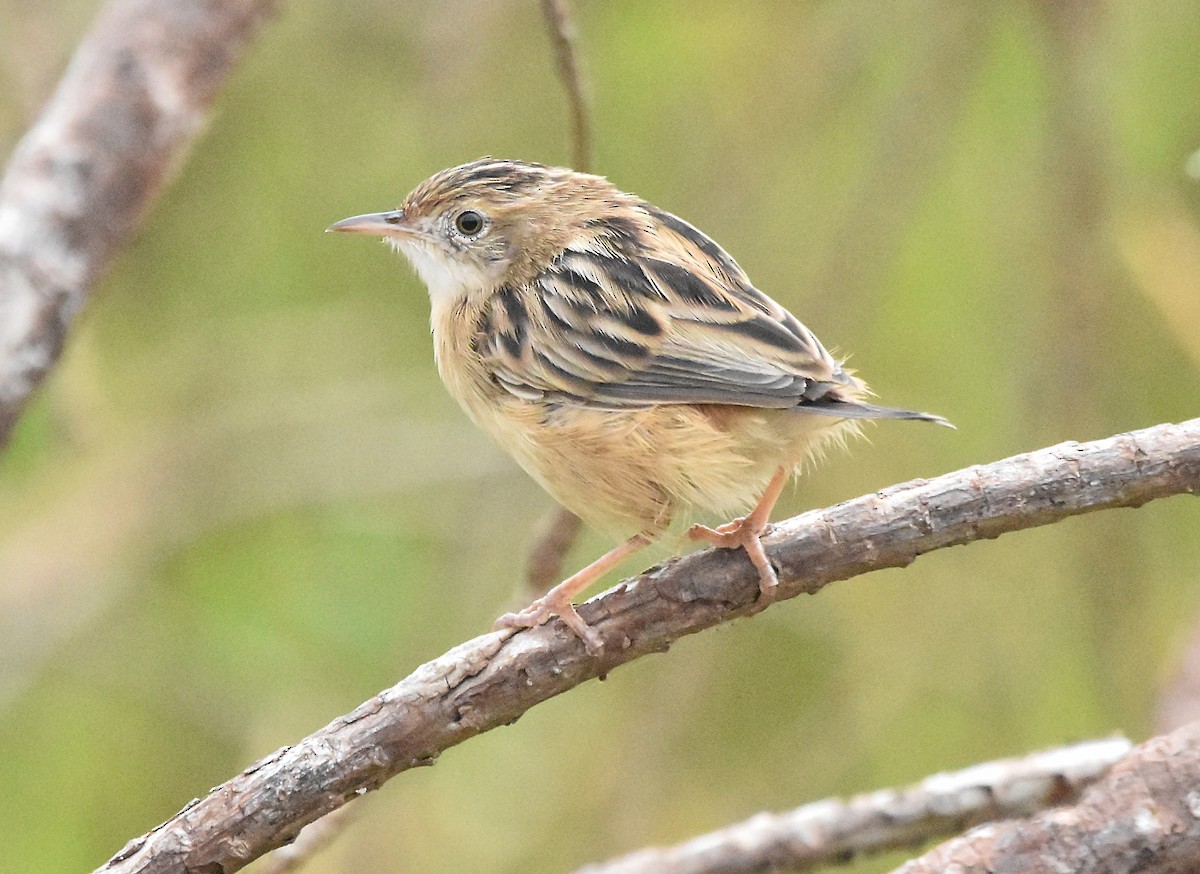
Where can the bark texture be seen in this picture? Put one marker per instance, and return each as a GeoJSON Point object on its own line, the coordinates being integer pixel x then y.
{"type": "Point", "coordinates": [1144, 816]}
{"type": "Point", "coordinates": [830, 831]}
{"type": "Point", "coordinates": [137, 93]}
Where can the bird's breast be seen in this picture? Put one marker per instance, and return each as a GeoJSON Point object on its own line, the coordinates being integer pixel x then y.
{"type": "Point", "coordinates": [460, 364]}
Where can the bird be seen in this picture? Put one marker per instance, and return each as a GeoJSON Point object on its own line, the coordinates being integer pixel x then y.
{"type": "Point", "coordinates": [621, 356]}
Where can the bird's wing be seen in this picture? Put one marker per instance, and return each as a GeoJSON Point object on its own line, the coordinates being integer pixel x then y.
{"type": "Point", "coordinates": [614, 323]}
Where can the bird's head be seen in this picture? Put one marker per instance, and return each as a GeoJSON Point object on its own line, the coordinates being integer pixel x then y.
{"type": "Point", "coordinates": [475, 228]}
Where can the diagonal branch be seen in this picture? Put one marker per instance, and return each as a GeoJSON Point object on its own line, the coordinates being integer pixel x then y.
{"type": "Point", "coordinates": [1143, 816]}
{"type": "Point", "coordinates": [491, 680]}
{"type": "Point", "coordinates": [829, 831]}
{"type": "Point", "coordinates": [136, 95]}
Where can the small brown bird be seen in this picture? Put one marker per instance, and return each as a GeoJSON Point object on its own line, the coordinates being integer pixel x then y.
{"type": "Point", "coordinates": [620, 355]}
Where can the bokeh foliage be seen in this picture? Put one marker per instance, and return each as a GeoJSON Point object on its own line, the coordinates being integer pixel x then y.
{"type": "Point", "coordinates": [243, 503]}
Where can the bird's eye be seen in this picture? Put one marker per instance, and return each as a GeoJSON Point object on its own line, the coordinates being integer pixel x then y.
{"type": "Point", "coordinates": [468, 222]}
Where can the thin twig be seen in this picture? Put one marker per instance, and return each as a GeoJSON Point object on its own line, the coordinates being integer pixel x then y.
{"type": "Point", "coordinates": [315, 837]}
{"type": "Point", "coordinates": [491, 680]}
{"type": "Point", "coordinates": [1179, 699]}
{"type": "Point", "coordinates": [1142, 816]}
{"type": "Point", "coordinates": [136, 95]}
{"type": "Point", "coordinates": [828, 831]}
{"type": "Point", "coordinates": [554, 540]}
{"type": "Point", "coordinates": [561, 528]}
{"type": "Point", "coordinates": [561, 26]}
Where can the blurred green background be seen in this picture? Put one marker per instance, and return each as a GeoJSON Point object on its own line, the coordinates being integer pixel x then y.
{"type": "Point", "coordinates": [244, 503]}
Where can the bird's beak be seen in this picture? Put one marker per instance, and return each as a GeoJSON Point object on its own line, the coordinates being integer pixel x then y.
{"type": "Point", "coordinates": [381, 224]}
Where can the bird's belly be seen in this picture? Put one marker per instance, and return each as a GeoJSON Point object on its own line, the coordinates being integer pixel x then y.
{"type": "Point", "coordinates": [638, 470]}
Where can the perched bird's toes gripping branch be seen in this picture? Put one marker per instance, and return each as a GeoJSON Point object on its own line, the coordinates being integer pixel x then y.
{"type": "Point", "coordinates": [557, 602]}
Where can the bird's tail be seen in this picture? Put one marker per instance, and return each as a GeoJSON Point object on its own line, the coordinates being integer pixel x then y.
{"type": "Point", "coordinates": [858, 410]}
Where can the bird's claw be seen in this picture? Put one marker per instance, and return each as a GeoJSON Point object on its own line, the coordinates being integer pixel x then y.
{"type": "Point", "coordinates": [743, 533]}
{"type": "Point", "coordinates": [540, 611]}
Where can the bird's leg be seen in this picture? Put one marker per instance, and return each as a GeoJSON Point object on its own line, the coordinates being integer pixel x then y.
{"type": "Point", "coordinates": [557, 602]}
{"type": "Point", "coordinates": [747, 532]}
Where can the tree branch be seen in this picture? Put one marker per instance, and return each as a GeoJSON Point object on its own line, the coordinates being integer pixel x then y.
{"type": "Point", "coordinates": [1144, 816]}
{"type": "Point", "coordinates": [315, 837]}
{"type": "Point", "coordinates": [1179, 699]}
{"type": "Point", "coordinates": [135, 96]}
{"type": "Point", "coordinates": [562, 33]}
{"type": "Point", "coordinates": [832, 830]}
{"type": "Point", "coordinates": [555, 537]}
{"type": "Point", "coordinates": [491, 680]}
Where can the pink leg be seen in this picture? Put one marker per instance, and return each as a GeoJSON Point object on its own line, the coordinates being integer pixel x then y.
{"type": "Point", "coordinates": [747, 532]}
{"type": "Point", "coordinates": [557, 602]}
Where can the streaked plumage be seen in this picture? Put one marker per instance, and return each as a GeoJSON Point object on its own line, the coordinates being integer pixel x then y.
{"type": "Point", "coordinates": [619, 354]}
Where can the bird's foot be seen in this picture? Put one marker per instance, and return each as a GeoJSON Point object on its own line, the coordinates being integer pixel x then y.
{"type": "Point", "coordinates": [557, 602]}
{"type": "Point", "coordinates": [554, 604]}
{"type": "Point", "coordinates": [747, 533]}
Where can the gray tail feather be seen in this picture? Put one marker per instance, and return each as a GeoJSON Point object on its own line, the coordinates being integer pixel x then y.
{"type": "Point", "coordinates": [857, 410]}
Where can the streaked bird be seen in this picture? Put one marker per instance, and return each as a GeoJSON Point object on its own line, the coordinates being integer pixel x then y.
{"type": "Point", "coordinates": [620, 355]}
